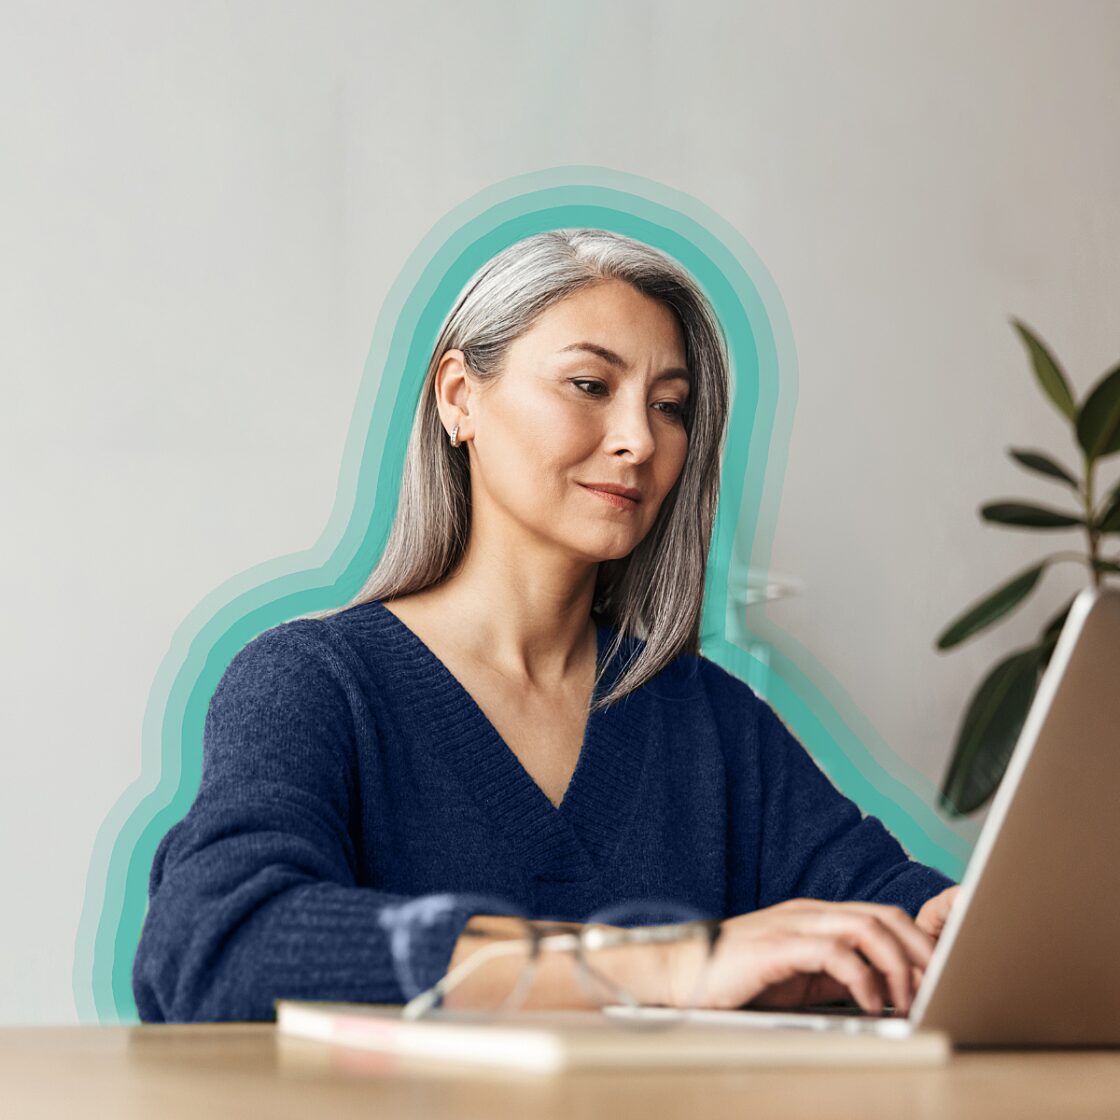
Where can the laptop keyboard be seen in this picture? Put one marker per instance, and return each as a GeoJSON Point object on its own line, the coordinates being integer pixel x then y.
{"type": "Point", "coordinates": [847, 1007]}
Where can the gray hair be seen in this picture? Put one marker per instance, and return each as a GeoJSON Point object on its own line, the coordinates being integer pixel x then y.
{"type": "Point", "coordinates": [655, 593]}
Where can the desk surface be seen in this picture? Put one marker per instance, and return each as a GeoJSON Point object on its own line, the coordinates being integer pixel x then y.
{"type": "Point", "coordinates": [244, 1069]}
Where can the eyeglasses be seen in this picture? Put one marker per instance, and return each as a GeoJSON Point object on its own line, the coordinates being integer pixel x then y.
{"type": "Point", "coordinates": [619, 953]}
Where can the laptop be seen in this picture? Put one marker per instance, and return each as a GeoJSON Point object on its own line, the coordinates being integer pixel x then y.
{"type": "Point", "coordinates": [1030, 952]}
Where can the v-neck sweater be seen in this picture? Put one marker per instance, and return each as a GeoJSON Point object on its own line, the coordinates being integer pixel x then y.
{"type": "Point", "coordinates": [347, 771]}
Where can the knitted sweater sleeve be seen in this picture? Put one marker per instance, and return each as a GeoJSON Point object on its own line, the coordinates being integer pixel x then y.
{"type": "Point", "coordinates": [817, 843]}
{"type": "Point", "coordinates": [252, 896]}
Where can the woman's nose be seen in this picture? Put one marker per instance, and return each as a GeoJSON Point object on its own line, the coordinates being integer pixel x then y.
{"type": "Point", "coordinates": [630, 430]}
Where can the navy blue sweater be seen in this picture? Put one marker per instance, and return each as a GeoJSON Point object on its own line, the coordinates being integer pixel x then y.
{"type": "Point", "coordinates": [345, 770]}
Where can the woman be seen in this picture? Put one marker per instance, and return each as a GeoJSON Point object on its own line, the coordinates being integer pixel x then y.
{"type": "Point", "coordinates": [515, 704]}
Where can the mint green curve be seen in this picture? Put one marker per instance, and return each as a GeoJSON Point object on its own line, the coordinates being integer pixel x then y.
{"type": "Point", "coordinates": [765, 379]}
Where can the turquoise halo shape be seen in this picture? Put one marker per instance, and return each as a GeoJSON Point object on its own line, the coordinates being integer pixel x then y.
{"type": "Point", "coordinates": [764, 382]}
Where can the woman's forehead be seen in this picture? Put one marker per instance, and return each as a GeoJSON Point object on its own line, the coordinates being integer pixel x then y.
{"type": "Point", "coordinates": [617, 327]}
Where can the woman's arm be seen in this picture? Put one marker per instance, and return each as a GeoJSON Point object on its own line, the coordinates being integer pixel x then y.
{"type": "Point", "coordinates": [252, 896]}
{"type": "Point", "coordinates": [796, 952]}
{"type": "Point", "coordinates": [817, 843]}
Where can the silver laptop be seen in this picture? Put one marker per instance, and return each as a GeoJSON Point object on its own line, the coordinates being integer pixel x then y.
{"type": "Point", "coordinates": [1030, 953]}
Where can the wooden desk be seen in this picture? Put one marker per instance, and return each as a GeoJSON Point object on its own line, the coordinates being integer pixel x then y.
{"type": "Point", "coordinates": [245, 1070]}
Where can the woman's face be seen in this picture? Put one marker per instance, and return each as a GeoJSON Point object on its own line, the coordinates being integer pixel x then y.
{"type": "Point", "coordinates": [593, 393]}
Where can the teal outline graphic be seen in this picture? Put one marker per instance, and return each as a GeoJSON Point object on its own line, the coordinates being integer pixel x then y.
{"type": "Point", "coordinates": [764, 370]}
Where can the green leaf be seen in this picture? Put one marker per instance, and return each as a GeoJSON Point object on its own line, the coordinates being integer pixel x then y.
{"type": "Point", "coordinates": [990, 729]}
{"type": "Point", "coordinates": [1110, 519]}
{"type": "Point", "coordinates": [1098, 422]}
{"type": "Point", "coordinates": [1047, 371]}
{"type": "Point", "coordinates": [1043, 464]}
{"type": "Point", "coordinates": [1106, 566]}
{"type": "Point", "coordinates": [1027, 516]}
{"type": "Point", "coordinates": [991, 607]}
{"type": "Point", "coordinates": [1054, 627]}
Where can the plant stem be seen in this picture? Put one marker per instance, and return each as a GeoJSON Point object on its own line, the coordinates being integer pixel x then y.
{"type": "Point", "coordinates": [1094, 536]}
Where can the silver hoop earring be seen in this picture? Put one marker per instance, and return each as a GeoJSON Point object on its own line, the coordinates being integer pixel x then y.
{"type": "Point", "coordinates": [455, 436]}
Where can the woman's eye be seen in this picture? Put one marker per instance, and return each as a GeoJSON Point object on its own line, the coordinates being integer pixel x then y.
{"type": "Point", "coordinates": [670, 408]}
{"type": "Point", "coordinates": [583, 381]}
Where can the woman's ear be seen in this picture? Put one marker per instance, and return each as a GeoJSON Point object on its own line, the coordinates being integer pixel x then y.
{"type": "Point", "coordinates": [454, 389]}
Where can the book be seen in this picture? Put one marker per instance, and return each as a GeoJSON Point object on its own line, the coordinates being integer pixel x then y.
{"type": "Point", "coordinates": [552, 1041]}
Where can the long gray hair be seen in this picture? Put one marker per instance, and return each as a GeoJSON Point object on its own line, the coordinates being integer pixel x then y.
{"type": "Point", "coordinates": [654, 594]}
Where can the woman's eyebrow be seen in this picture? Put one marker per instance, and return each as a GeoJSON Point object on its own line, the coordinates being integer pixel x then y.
{"type": "Point", "coordinates": [676, 373]}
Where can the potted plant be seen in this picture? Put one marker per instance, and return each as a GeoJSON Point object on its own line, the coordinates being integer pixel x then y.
{"type": "Point", "coordinates": [998, 708]}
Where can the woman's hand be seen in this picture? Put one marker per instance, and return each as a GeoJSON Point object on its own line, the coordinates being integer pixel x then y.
{"type": "Point", "coordinates": [809, 951]}
{"type": "Point", "coordinates": [931, 918]}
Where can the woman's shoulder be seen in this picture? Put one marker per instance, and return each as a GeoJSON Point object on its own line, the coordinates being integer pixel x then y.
{"type": "Point", "coordinates": [313, 655]}
{"type": "Point", "coordinates": [296, 656]}
{"type": "Point", "coordinates": [340, 669]}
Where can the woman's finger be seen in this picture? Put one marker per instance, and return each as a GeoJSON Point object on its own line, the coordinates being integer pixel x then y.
{"type": "Point", "coordinates": [863, 928]}
{"type": "Point", "coordinates": [919, 944]}
{"type": "Point", "coordinates": [933, 915]}
{"type": "Point", "coordinates": [884, 951]}
{"type": "Point", "coordinates": [840, 961]}
{"type": "Point", "coordinates": [918, 976]}
{"type": "Point", "coordinates": [790, 964]}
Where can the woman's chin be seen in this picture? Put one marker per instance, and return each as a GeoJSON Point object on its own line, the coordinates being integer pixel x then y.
{"type": "Point", "coordinates": [595, 544]}
{"type": "Point", "coordinates": [613, 550]}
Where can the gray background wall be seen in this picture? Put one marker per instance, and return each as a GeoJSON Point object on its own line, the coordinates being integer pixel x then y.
{"type": "Point", "coordinates": [204, 205]}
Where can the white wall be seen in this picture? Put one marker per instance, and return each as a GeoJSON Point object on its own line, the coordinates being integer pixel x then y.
{"type": "Point", "coordinates": [204, 205]}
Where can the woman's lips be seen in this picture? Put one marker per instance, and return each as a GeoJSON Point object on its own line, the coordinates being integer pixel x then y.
{"type": "Point", "coordinates": [616, 500]}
